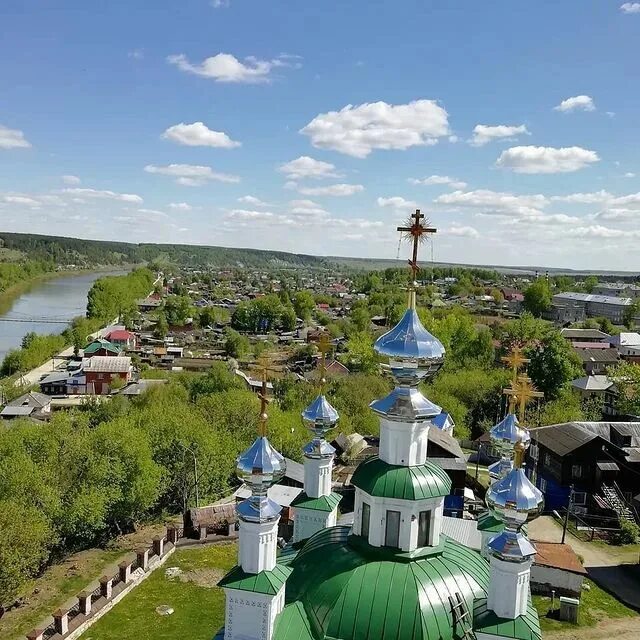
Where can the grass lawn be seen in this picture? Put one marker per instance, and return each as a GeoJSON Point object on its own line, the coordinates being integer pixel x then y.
{"type": "Point", "coordinates": [483, 473]}
{"type": "Point", "coordinates": [62, 581]}
{"type": "Point", "coordinates": [596, 606]}
{"type": "Point", "coordinates": [197, 603]}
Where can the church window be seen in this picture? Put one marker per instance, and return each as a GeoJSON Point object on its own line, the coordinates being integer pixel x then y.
{"type": "Point", "coordinates": [424, 528]}
{"type": "Point", "coordinates": [392, 529]}
{"type": "Point", "coordinates": [366, 517]}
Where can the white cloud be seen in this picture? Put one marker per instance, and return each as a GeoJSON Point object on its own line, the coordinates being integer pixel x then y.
{"type": "Point", "coordinates": [483, 134]}
{"type": "Point", "coordinates": [253, 201]}
{"type": "Point", "coordinates": [103, 194]}
{"type": "Point", "coordinates": [358, 130]}
{"type": "Point", "coordinates": [12, 139]}
{"type": "Point", "coordinates": [220, 4]}
{"type": "Point", "coordinates": [225, 67]}
{"type": "Point", "coordinates": [582, 103]}
{"type": "Point", "coordinates": [629, 174]}
{"type": "Point", "coordinates": [530, 159]}
{"type": "Point", "coordinates": [136, 54]}
{"type": "Point", "coordinates": [199, 135]}
{"type": "Point", "coordinates": [339, 190]}
{"type": "Point", "coordinates": [306, 167]}
{"type": "Point", "coordinates": [71, 180]}
{"type": "Point", "coordinates": [585, 198]}
{"type": "Point", "coordinates": [462, 231]}
{"type": "Point", "coordinates": [453, 183]}
{"type": "Point", "coordinates": [306, 208]}
{"type": "Point", "coordinates": [494, 201]}
{"type": "Point", "coordinates": [190, 175]}
{"type": "Point", "coordinates": [247, 214]}
{"type": "Point", "coordinates": [617, 214]}
{"type": "Point", "coordinates": [398, 203]}
{"type": "Point", "coordinates": [22, 200]}
{"type": "Point", "coordinates": [630, 7]}
{"type": "Point", "coordinates": [180, 206]}
{"type": "Point", "coordinates": [630, 201]}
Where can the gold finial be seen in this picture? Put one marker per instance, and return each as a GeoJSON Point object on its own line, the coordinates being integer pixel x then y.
{"type": "Point", "coordinates": [515, 360]}
{"type": "Point", "coordinates": [522, 392]}
{"type": "Point", "coordinates": [519, 450]}
{"type": "Point", "coordinates": [415, 231]}
{"type": "Point", "coordinates": [324, 346]}
{"type": "Point", "coordinates": [265, 365]}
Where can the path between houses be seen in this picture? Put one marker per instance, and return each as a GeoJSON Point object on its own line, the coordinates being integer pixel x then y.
{"type": "Point", "coordinates": [604, 568]}
{"type": "Point", "coordinates": [620, 628]}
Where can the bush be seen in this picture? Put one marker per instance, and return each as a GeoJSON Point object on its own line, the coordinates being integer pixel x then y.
{"type": "Point", "coordinates": [629, 533]}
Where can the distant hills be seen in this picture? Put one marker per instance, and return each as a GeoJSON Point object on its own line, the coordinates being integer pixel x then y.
{"type": "Point", "coordinates": [67, 251]}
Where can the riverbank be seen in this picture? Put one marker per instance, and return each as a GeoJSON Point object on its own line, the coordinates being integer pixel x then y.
{"type": "Point", "coordinates": [9, 296]}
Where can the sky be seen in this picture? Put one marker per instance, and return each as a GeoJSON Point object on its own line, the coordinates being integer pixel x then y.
{"type": "Point", "coordinates": [318, 127]}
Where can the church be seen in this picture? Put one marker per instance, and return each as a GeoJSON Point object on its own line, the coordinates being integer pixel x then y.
{"type": "Point", "coordinates": [393, 574]}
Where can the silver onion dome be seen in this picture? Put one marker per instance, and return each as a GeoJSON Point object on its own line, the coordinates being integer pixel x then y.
{"type": "Point", "coordinates": [414, 354]}
{"type": "Point", "coordinates": [260, 466]}
{"type": "Point", "coordinates": [500, 469]}
{"type": "Point", "coordinates": [514, 500]}
{"type": "Point", "coordinates": [406, 404]}
{"type": "Point", "coordinates": [508, 432]}
{"type": "Point", "coordinates": [320, 416]}
{"type": "Point", "coordinates": [511, 546]}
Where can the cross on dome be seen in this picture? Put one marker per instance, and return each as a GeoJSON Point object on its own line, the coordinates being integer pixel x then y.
{"type": "Point", "coordinates": [415, 230]}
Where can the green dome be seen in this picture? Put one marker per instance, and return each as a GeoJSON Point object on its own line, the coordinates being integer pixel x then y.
{"type": "Point", "coordinates": [344, 589]}
{"type": "Point", "coordinates": [384, 480]}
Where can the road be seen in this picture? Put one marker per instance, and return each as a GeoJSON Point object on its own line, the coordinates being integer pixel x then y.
{"type": "Point", "coordinates": [33, 377]}
{"type": "Point", "coordinates": [617, 574]}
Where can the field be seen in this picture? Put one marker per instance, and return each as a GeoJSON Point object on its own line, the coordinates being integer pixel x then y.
{"type": "Point", "coordinates": [186, 583]}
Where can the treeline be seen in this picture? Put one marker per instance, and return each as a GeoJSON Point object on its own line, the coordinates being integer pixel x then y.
{"type": "Point", "coordinates": [13, 273]}
{"type": "Point", "coordinates": [114, 296]}
{"type": "Point", "coordinates": [60, 250]}
{"type": "Point", "coordinates": [88, 475]}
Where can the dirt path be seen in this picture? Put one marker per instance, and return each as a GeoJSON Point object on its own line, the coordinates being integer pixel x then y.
{"type": "Point", "coordinates": [619, 628]}
{"type": "Point", "coordinates": [613, 569]}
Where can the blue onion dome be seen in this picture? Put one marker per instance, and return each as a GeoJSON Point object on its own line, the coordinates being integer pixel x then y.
{"type": "Point", "coordinates": [260, 466]}
{"type": "Point", "coordinates": [499, 469]}
{"type": "Point", "coordinates": [508, 432]}
{"type": "Point", "coordinates": [414, 354]}
{"type": "Point", "coordinates": [320, 416]}
{"type": "Point", "coordinates": [514, 500]}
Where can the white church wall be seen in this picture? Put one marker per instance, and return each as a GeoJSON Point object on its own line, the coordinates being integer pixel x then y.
{"type": "Point", "coordinates": [402, 443]}
{"type": "Point", "coordinates": [251, 616]}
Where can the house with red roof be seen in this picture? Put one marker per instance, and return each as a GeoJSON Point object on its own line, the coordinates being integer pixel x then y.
{"type": "Point", "coordinates": [123, 339]}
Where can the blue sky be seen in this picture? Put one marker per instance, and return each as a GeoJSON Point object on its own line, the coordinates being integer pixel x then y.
{"type": "Point", "coordinates": [317, 127]}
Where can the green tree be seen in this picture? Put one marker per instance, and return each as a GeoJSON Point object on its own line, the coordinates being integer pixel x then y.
{"type": "Point", "coordinates": [626, 377]}
{"type": "Point", "coordinates": [303, 304]}
{"type": "Point", "coordinates": [235, 345]}
{"type": "Point", "coordinates": [360, 355]}
{"type": "Point", "coordinates": [361, 319]}
{"type": "Point", "coordinates": [537, 297]}
{"type": "Point", "coordinates": [24, 546]}
{"type": "Point", "coordinates": [177, 309]}
{"type": "Point", "coordinates": [161, 327]}
{"type": "Point", "coordinates": [553, 364]}
{"type": "Point", "coordinates": [630, 313]}
{"type": "Point", "coordinates": [288, 319]}
{"type": "Point", "coordinates": [590, 283]}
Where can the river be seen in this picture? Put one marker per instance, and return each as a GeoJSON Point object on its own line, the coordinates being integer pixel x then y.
{"type": "Point", "coordinates": [57, 299]}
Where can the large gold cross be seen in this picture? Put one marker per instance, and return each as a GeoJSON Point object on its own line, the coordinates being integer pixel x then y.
{"type": "Point", "coordinates": [521, 392]}
{"type": "Point", "coordinates": [515, 360]}
{"type": "Point", "coordinates": [265, 366]}
{"type": "Point", "coordinates": [324, 345]}
{"type": "Point", "coordinates": [415, 230]}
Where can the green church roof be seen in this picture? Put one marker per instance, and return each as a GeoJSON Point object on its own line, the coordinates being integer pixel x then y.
{"type": "Point", "coordinates": [383, 480]}
{"type": "Point", "coordinates": [525, 627]}
{"type": "Point", "coordinates": [268, 582]}
{"type": "Point", "coordinates": [324, 503]}
{"type": "Point", "coordinates": [338, 591]}
{"type": "Point", "coordinates": [101, 343]}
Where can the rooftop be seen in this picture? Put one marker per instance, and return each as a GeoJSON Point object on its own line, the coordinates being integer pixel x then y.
{"type": "Point", "coordinates": [592, 383]}
{"type": "Point", "coordinates": [583, 334]}
{"type": "Point", "coordinates": [590, 297]}
{"type": "Point", "coordinates": [558, 556]}
{"type": "Point", "coordinates": [108, 364]}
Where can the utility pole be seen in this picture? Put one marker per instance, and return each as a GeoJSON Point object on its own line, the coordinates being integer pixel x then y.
{"type": "Point", "coordinates": [566, 516]}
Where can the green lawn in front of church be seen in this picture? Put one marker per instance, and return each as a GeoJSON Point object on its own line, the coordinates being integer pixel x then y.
{"type": "Point", "coordinates": [186, 583]}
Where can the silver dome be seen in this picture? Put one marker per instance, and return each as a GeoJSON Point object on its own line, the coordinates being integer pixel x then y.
{"type": "Point", "coordinates": [260, 466]}
{"type": "Point", "coordinates": [412, 351]}
{"type": "Point", "coordinates": [500, 469]}
{"type": "Point", "coordinates": [320, 416]}
{"type": "Point", "coordinates": [514, 500]}
{"type": "Point", "coordinates": [318, 448]}
{"type": "Point", "coordinates": [406, 404]}
{"type": "Point", "coordinates": [258, 509]}
{"type": "Point", "coordinates": [511, 546]}
{"type": "Point", "coordinates": [508, 432]}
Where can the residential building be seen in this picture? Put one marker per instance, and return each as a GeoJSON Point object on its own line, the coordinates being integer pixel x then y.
{"type": "Point", "coordinates": [100, 371]}
{"type": "Point", "coordinates": [597, 386]}
{"type": "Point", "coordinates": [618, 289]}
{"type": "Point", "coordinates": [571, 306]}
{"type": "Point", "coordinates": [30, 405]}
{"type": "Point", "coordinates": [591, 456]}
{"type": "Point", "coordinates": [101, 347]}
{"type": "Point", "coordinates": [585, 335]}
{"type": "Point", "coordinates": [63, 383]}
{"type": "Point", "coordinates": [125, 340]}
{"type": "Point", "coordinates": [597, 361]}
{"type": "Point", "coordinates": [628, 345]}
